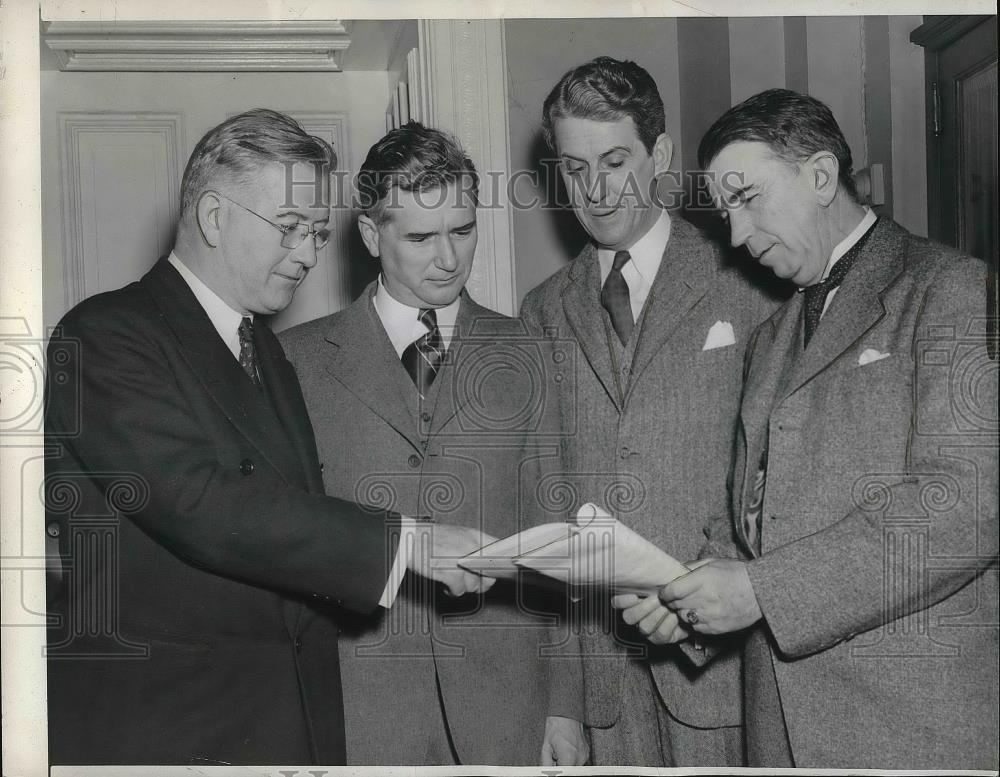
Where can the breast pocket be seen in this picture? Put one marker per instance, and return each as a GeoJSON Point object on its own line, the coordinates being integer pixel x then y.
{"type": "Point", "coordinates": [876, 399]}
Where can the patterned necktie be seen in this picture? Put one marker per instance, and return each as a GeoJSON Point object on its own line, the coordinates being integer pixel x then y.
{"type": "Point", "coordinates": [615, 298]}
{"type": "Point", "coordinates": [248, 354]}
{"type": "Point", "coordinates": [816, 295]}
{"type": "Point", "coordinates": [423, 358]}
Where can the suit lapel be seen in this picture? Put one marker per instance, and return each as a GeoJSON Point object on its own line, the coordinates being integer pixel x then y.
{"type": "Point", "coordinates": [362, 358]}
{"type": "Point", "coordinates": [582, 307]}
{"type": "Point", "coordinates": [857, 306]}
{"type": "Point", "coordinates": [448, 397]}
{"type": "Point", "coordinates": [210, 360]}
{"type": "Point", "coordinates": [283, 387]}
{"type": "Point", "coordinates": [679, 284]}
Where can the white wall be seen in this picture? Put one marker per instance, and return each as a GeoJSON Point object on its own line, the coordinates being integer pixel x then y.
{"type": "Point", "coordinates": [204, 99]}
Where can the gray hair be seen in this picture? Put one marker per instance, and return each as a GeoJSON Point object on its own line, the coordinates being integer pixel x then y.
{"type": "Point", "coordinates": [244, 144]}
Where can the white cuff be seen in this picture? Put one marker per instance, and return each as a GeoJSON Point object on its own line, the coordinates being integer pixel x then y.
{"type": "Point", "coordinates": [407, 528]}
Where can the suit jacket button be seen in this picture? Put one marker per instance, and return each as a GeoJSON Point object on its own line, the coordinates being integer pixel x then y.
{"type": "Point", "coordinates": [413, 461]}
{"type": "Point", "coordinates": [425, 417]}
{"type": "Point", "coordinates": [298, 646]}
{"type": "Point", "coordinates": [52, 529]}
{"type": "Point", "coordinates": [625, 452]}
{"type": "Point", "coordinates": [321, 466]}
{"type": "Point", "coordinates": [246, 467]}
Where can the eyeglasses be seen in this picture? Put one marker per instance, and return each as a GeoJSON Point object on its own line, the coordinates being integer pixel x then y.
{"type": "Point", "coordinates": [292, 235]}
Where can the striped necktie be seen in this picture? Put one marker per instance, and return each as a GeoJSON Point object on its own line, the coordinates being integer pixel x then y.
{"type": "Point", "coordinates": [423, 358]}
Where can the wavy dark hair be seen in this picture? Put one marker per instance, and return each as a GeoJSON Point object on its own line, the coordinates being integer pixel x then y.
{"type": "Point", "coordinates": [607, 89]}
{"type": "Point", "coordinates": [794, 126]}
{"type": "Point", "coordinates": [412, 158]}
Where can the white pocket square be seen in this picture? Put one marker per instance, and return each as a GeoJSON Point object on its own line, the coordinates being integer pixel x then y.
{"type": "Point", "coordinates": [870, 355]}
{"type": "Point", "coordinates": [719, 336]}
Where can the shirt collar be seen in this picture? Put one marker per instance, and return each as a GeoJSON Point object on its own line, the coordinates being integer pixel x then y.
{"type": "Point", "coordinates": [848, 242]}
{"type": "Point", "coordinates": [402, 323]}
{"type": "Point", "coordinates": [225, 320]}
{"type": "Point", "coordinates": [647, 252]}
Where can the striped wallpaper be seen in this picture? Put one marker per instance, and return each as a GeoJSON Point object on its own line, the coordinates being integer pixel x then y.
{"type": "Point", "coordinates": [864, 68]}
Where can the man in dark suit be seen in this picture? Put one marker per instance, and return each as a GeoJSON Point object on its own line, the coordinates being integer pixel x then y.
{"type": "Point", "coordinates": [865, 485]}
{"type": "Point", "coordinates": [661, 322]}
{"type": "Point", "coordinates": [427, 393]}
{"type": "Point", "coordinates": [205, 571]}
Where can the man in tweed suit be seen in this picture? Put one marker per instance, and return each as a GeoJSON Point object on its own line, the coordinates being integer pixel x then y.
{"type": "Point", "coordinates": [415, 392]}
{"type": "Point", "coordinates": [661, 323]}
{"type": "Point", "coordinates": [865, 484]}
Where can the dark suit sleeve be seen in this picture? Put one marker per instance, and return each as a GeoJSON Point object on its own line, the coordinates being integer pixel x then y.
{"type": "Point", "coordinates": [829, 586]}
{"type": "Point", "coordinates": [136, 415]}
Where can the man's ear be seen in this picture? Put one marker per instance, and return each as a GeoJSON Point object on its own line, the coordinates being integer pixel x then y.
{"type": "Point", "coordinates": [663, 152]}
{"type": "Point", "coordinates": [369, 234]}
{"type": "Point", "coordinates": [825, 171]}
{"type": "Point", "coordinates": [208, 213]}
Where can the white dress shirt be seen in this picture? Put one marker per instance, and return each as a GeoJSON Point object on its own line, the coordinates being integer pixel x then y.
{"type": "Point", "coordinates": [402, 322]}
{"type": "Point", "coordinates": [641, 269]}
{"type": "Point", "coordinates": [842, 248]}
{"type": "Point", "coordinates": [227, 322]}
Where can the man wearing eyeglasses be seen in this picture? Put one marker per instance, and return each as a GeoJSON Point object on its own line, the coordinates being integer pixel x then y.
{"type": "Point", "coordinates": [204, 570]}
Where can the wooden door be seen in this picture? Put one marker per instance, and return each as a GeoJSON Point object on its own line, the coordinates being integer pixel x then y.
{"type": "Point", "coordinates": [961, 82]}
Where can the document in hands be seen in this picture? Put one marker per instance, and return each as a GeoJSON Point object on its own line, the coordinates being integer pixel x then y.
{"type": "Point", "coordinates": [593, 550]}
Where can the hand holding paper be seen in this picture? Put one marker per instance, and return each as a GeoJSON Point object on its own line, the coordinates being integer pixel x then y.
{"type": "Point", "coordinates": [716, 598]}
{"type": "Point", "coordinates": [650, 616]}
{"type": "Point", "coordinates": [660, 625]}
{"type": "Point", "coordinates": [436, 550]}
{"type": "Point", "coordinates": [601, 552]}
{"type": "Point", "coordinates": [592, 551]}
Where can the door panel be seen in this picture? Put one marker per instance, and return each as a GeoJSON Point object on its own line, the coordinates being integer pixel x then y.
{"type": "Point", "coordinates": [121, 187]}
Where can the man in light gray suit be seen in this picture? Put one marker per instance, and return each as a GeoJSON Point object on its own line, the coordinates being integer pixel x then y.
{"type": "Point", "coordinates": [865, 488]}
{"type": "Point", "coordinates": [661, 323]}
{"type": "Point", "coordinates": [417, 397]}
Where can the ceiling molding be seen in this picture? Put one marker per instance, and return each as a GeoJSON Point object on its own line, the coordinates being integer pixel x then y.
{"type": "Point", "coordinates": [198, 46]}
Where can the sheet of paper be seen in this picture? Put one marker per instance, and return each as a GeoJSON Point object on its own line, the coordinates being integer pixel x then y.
{"type": "Point", "coordinates": [601, 552]}
{"type": "Point", "coordinates": [592, 551]}
{"type": "Point", "coordinates": [497, 558]}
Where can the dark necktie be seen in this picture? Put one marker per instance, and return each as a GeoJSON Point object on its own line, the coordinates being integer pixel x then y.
{"type": "Point", "coordinates": [423, 358]}
{"type": "Point", "coordinates": [816, 294]}
{"type": "Point", "coordinates": [248, 354]}
{"type": "Point", "coordinates": [615, 299]}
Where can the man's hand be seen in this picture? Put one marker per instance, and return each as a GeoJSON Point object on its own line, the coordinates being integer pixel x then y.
{"type": "Point", "coordinates": [648, 614]}
{"type": "Point", "coordinates": [565, 744]}
{"type": "Point", "coordinates": [716, 598]}
{"type": "Point", "coordinates": [434, 552]}
{"type": "Point", "coordinates": [659, 624]}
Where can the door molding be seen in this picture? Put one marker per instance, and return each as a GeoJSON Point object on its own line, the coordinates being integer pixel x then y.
{"type": "Point", "coordinates": [74, 129]}
{"type": "Point", "coordinates": [465, 62]}
{"type": "Point", "coordinates": [941, 31]}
